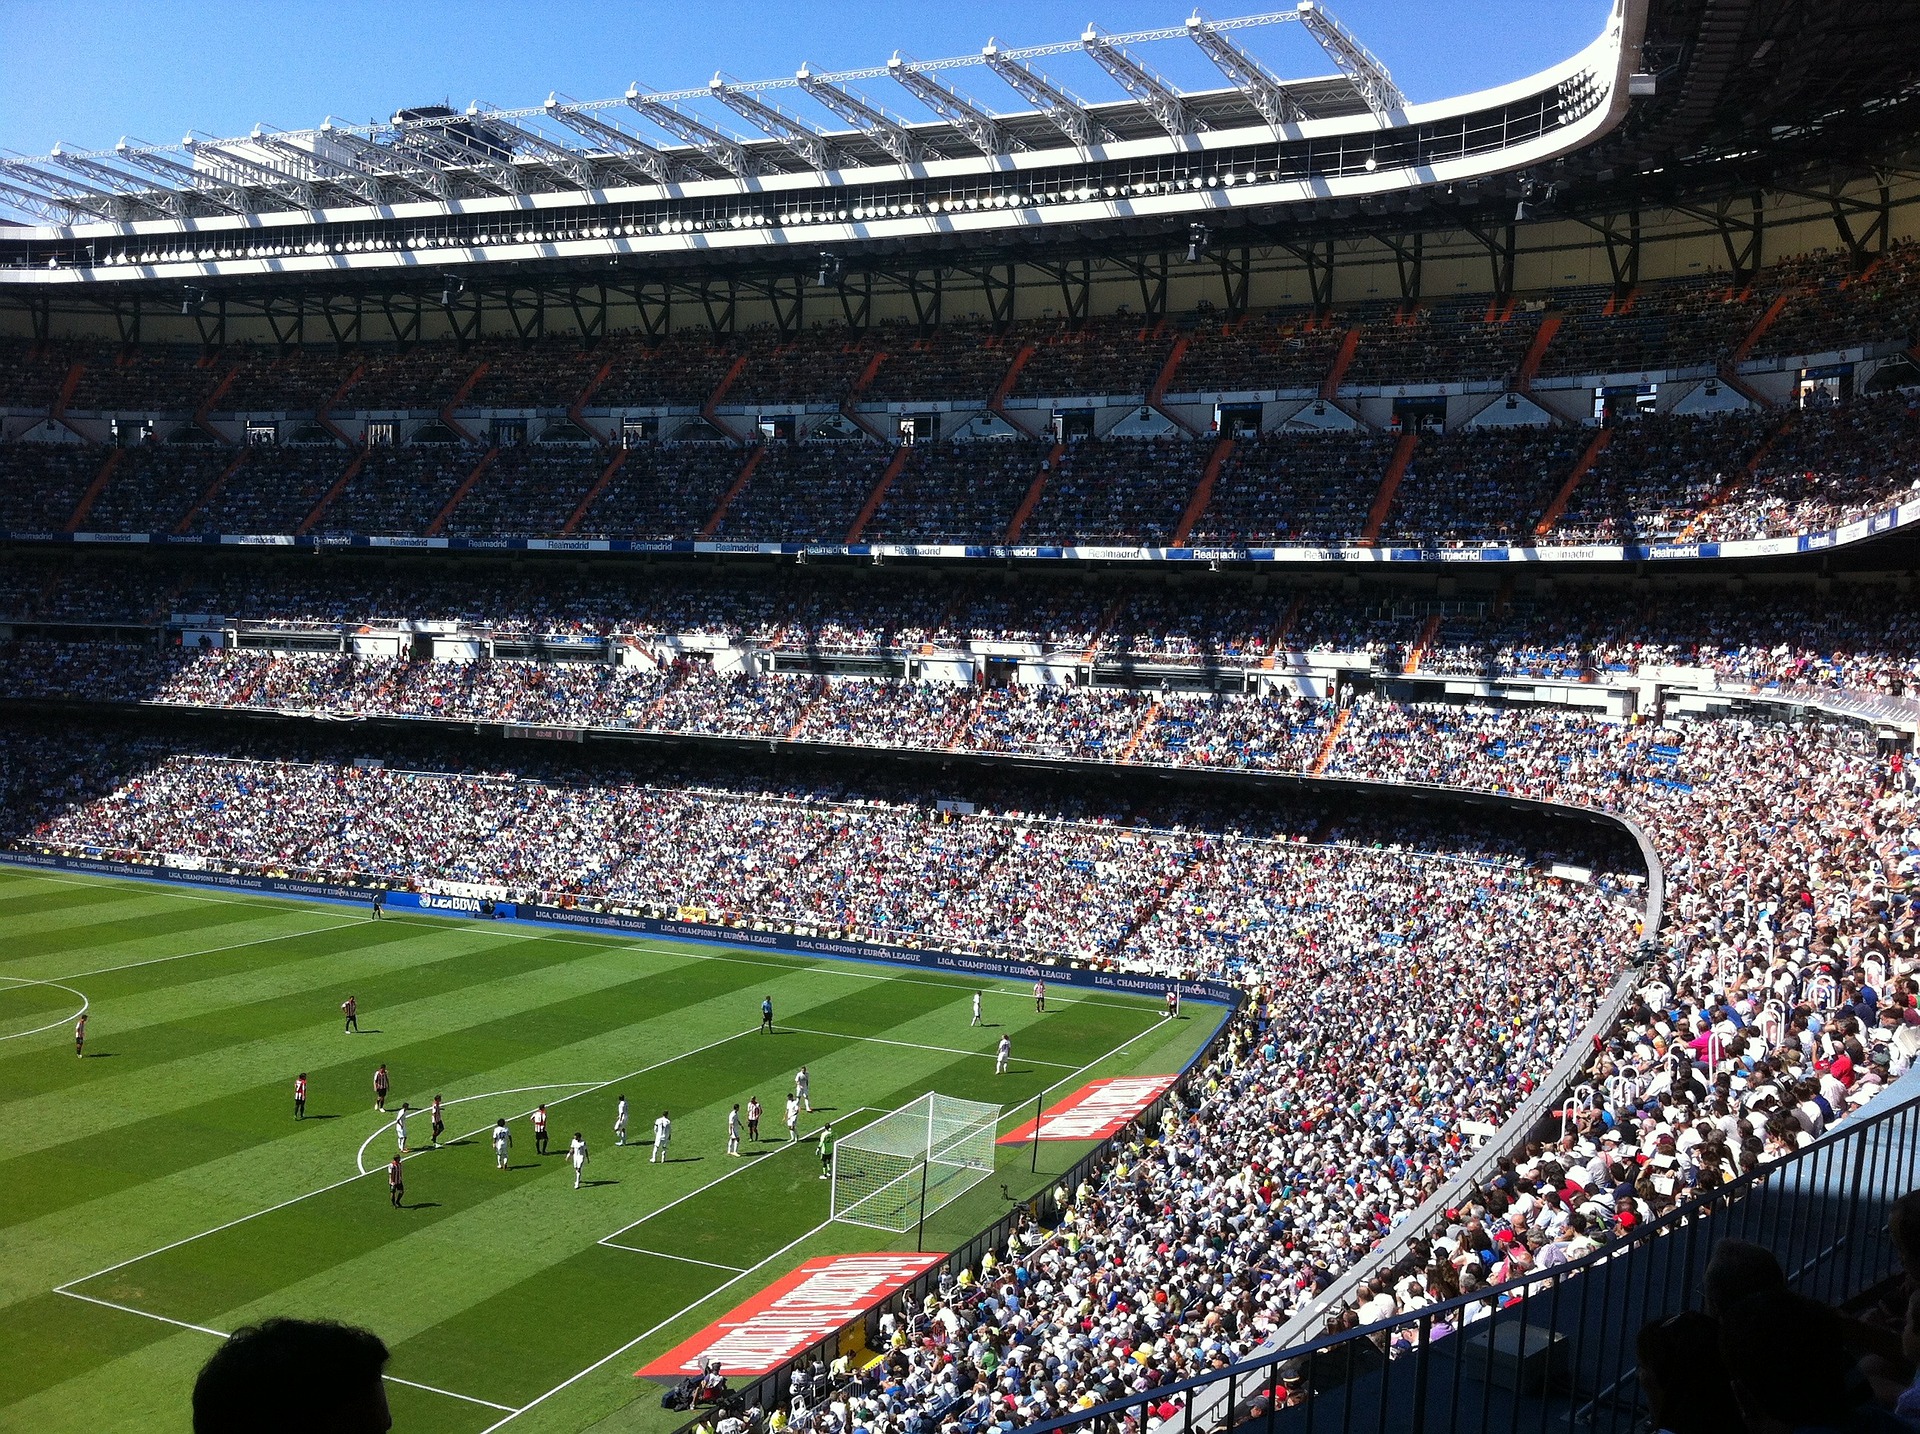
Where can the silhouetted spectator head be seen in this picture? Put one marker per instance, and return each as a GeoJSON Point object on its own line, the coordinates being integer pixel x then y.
{"type": "Point", "coordinates": [1786, 1361]}
{"type": "Point", "coordinates": [293, 1376]}
{"type": "Point", "coordinates": [1683, 1378]}
{"type": "Point", "coordinates": [1903, 1228]}
{"type": "Point", "coordinates": [1740, 1270]}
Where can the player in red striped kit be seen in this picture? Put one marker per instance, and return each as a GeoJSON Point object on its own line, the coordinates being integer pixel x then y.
{"type": "Point", "coordinates": [300, 1096]}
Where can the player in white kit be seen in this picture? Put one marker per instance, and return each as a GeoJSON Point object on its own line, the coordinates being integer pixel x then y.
{"type": "Point", "coordinates": [400, 1126]}
{"type": "Point", "coordinates": [620, 1122]}
{"type": "Point", "coordinates": [793, 1117]}
{"type": "Point", "coordinates": [577, 1153]}
{"type": "Point", "coordinates": [733, 1130]}
{"type": "Point", "coordinates": [1005, 1054]}
{"type": "Point", "coordinates": [662, 1133]}
{"type": "Point", "coordinates": [802, 1082]}
{"type": "Point", "coordinates": [502, 1142]}
{"type": "Point", "coordinates": [976, 1008]}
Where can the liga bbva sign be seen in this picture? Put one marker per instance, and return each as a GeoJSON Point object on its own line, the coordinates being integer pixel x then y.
{"type": "Point", "coordinates": [793, 1314]}
{"type": "Point", "coordinates": [1097, 1110]}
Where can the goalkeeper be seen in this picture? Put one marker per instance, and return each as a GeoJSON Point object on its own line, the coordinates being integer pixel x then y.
{"type": "Point", "coordinates": [826, 1151]}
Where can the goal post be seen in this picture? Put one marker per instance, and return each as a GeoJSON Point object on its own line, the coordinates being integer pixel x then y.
{"type": "Point", "coordinates": [894, 1172]}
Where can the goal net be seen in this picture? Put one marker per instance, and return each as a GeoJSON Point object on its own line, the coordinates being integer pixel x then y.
{"type": "Point", "coordinates": [916, 1159]}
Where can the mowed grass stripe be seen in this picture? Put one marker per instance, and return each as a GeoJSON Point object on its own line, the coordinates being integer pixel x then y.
{"type": "Point", "coordinates": [467, 1007]}
{"type": "Point", "coordinates": [633, 1020]}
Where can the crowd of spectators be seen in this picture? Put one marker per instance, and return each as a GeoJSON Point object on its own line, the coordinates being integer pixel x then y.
{"type": "Point", "coordinates": [1476, 484]}
{"type": "Point", "coordinates": [1827, 465]}
{"type": "Point", "coordinates": [1117, 491]}
{"type": "Point", "coordinates": [958, 492]}
{"type": "Point", "coordinates": [1391, 997]}
{"type": "Point", "coordinates": [1853, 636]}
{"type": "Point", "coordinates": [1739, 474]}
{"type": "Point", "coordinates": [1295, 487]}
{"type": "Point", "coordinates": [805, 492]}
{"type": "Point", "coordinates": [1657, 473]}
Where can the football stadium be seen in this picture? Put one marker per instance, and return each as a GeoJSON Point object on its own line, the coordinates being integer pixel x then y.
{"type": "Point", "coordinates": [1132, 732]}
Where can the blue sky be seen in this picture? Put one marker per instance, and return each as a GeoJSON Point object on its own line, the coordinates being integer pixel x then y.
{"type": "Point", "coordinates": [89, 71]}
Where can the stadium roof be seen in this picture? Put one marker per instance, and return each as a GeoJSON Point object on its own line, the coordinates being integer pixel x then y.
{"type": "Point", "coordinates": [1676, 103]}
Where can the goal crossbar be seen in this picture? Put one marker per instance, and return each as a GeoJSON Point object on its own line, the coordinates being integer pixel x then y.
{"type": "Point", "coordinates": [895, 1171]}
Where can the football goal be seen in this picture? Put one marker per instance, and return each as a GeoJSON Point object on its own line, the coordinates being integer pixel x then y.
{"type": "Point", "coordinates": [893, 1173]}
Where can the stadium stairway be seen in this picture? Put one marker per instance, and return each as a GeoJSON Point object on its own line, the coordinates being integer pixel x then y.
{"type": "Point", "coordinates": [577, 410]}
{"type": "Point", "coordinates": [592, 496]}
{"type": "Point", "coordinates": [879, 493]}
{"type": "Point", "coordinates": [332, 495]}
{"type": "Point", "coordinates": [1157, 394]}
{"type": "Point", "coordinates": [94, 490]}
{"type": "Point", "coordinates": [1741, 478]}
{"type": "Point", "coordinates": [1389, 488]}
{"type": "Point", "coordinates": [453, 424]}
{"type": "Point", "coordinates": [719, 394]}
{"type": "Point", "coordinates": [1146, 723]}
{"type": "Point", "coordinates": [323, 415]}
{"type": "Point", "coordinates": [1202, 493]}
{"type": "Point", "coordinates": [740, 481]}
{"type": "Point", "coordinates": [1536, 353]}
{"type": "Point", "coordinates": [1325, 754]}
{"type": "Point", "coordinates": [200, 415]}
{"type": "Point", "coordinates": [453, 503]}
{"type": "Point", "coordinates": [1048, 467]}
{"type": "Point", "coordinates": [1422, 644]}
{"type": "Point", "coordinates": [849, 409]}
{"type": "Point", "coordinates": [1342, 361]}
{"type": "Point", "coordinates": [58, 413]}
{"type": "Point", "coordinates": [997, 404]}
{"type": "Point", "coordinates": [1582, 467]}
{"type": "Point", "coordinates": [213, 490]}
{"type": "Point", "coordinates": [1277, 643]}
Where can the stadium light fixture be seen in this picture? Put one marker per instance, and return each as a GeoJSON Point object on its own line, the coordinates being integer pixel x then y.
{"type": "Point", "coordinates": [890, 133]}
{"type": "Point", "coordinates": [1267, 92]}
{"type": "Point", "coordinates": [723, 149]}
{"type": "Point", "coordinates": [982, 130]}
{"type": "Point", "coordinates": [792, 132]}
{"type": "Point", "coordinates": [1066, 110]}
{"type": "Point", "coordinates": [1162, 100]}
{"type": "Point", "coordinates": [1370, 78]}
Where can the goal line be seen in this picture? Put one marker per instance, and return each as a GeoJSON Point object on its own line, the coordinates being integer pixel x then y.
{"type": "Point", "coordinates": [893, 1173]}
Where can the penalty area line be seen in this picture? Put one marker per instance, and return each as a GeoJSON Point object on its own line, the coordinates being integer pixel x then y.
{"type": "Point", "coordinates": [222, 1334]}
{"type": "Point", "coordinates": [606, 1359]}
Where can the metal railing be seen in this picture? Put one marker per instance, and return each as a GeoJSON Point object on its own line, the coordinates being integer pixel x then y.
{"type": "Point", "coordinates": [1554, 1352]}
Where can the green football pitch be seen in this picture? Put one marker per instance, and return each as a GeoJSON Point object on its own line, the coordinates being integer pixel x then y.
{"type": "Point", "coordinates": [158, 1192]}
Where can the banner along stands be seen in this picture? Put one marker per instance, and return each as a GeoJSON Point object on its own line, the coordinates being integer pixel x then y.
{"type": "Point", "coordinates": [1095, 1111]}
{"type": "Point", "coordinates": [793, 1314]}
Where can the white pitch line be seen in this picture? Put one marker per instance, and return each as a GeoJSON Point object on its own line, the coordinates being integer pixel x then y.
{"type": "Point", "coordinates": [612, 939]}
{"type": "Point", "coordinates": [222, 1334]}
{"type": "Point", "coordinates": [361, 1175]}
{"type": "Point", "coordinates": [613, 1244]}
{"type": "Point", "coordinates": [210, 950]}
{"type": "Point", "coordinates": [922, 1046]}
{"type": "Point", "coordinates": [678, 1314]}
{"type": "Point", "coordinates": [573, 1379]}
{"type": "Point", "coordinates": [51, 1025]}
{"type": "Point", "coordinates": [450, 1393]}
{"type": "Point", "coordinates": [360, 1156]}
{"type": "Point", "coordinates": [744, 1166]}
